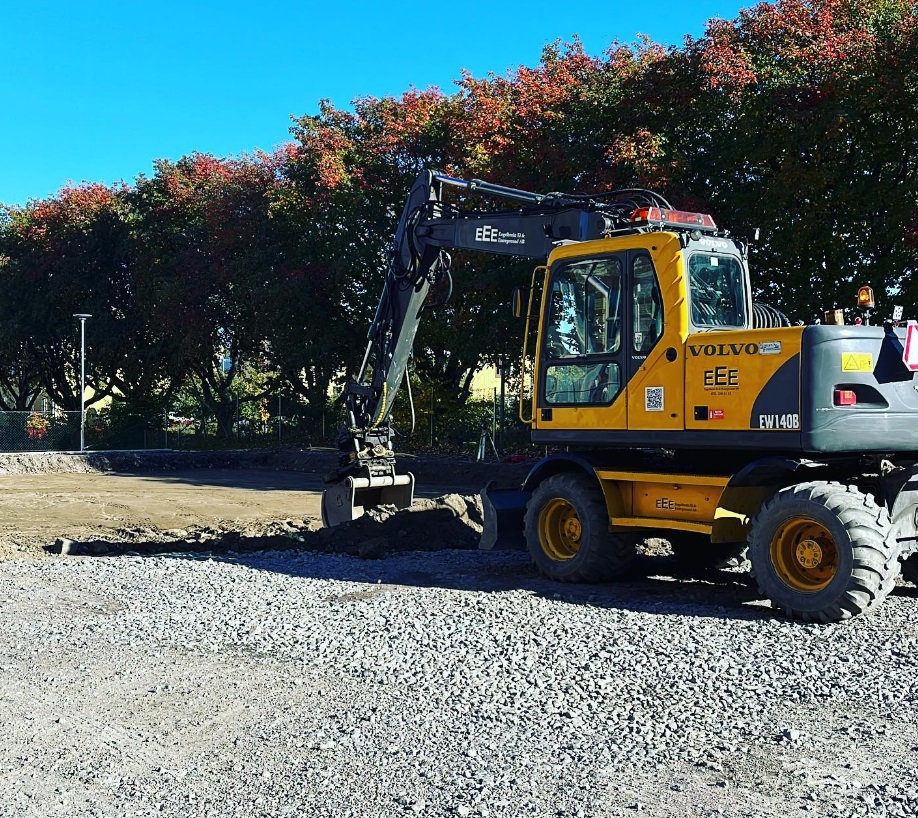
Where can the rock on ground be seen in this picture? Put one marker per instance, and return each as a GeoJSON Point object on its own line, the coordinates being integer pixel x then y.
{"type": "Point", "coordinates": [439, 683]}
{"type": "Point", "coordinates": [275, 669]}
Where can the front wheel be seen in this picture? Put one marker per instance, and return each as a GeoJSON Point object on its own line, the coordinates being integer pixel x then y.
{"type": "Point", "coordinates": [567, 532]}
{"type": "Point", "coordinates": [823, 552]}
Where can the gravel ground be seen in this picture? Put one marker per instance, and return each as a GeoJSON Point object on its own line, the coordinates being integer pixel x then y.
{"type": "Point", "coordinates": [447, 683]}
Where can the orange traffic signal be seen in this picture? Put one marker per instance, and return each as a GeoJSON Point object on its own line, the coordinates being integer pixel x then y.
{"type": "Point", "coordinates": [865, 297]}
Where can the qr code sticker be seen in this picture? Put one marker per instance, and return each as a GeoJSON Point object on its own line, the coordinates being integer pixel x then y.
{"type": "Point", "coordinates": [653, 398]}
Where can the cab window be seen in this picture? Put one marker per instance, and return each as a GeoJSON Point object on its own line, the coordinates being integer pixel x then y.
{"type": "Point", "coordinates": [648, 307]}
{"type": "Point", "coordinates": [583, 329]}
{"type": "Point", "coordinates": [597, 383]}
{"type": "Point", "coordinates": [585, 309]}
{"type": "Point", "coordinates": [716, 291]}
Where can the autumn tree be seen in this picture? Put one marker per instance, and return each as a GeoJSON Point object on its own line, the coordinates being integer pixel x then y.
{"type": "Point", "coordinates": [204, 249]}
{"type": "Point", "coordinates": [67, 254]}
{"type": "Point", "coordinates": [798, 118]}
{"type": "Point", "coordinates": [19, 383]}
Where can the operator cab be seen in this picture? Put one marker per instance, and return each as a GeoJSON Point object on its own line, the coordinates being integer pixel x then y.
{"type": "Point", "coordinates": [604, 312]}
{"type": "Point", "coordinates": [715, 267]}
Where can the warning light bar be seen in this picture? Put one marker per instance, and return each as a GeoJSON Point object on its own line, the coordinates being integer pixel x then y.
{"type": "Point", "coordinates": [675, 218]}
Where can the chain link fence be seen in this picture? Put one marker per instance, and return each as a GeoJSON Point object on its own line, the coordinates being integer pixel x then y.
{"type": "Point", "coordinates": [59, 431]}
{"type": "Point", "coordinates": [39, 431]}
{"type": "Point", "coordinates": [56, 430]}
{"type": "Point", "coordinates": [272, 422]}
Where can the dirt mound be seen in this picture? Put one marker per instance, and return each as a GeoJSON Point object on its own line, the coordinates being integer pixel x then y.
{"type": "Point", "coordinates": [447, 522]}
{"type": "Point", "coordinates": [450, 521]}
{"type": "Point", "coordinates": [123, 461]}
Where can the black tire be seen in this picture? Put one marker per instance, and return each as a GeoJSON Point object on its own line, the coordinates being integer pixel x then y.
{"type": "Point", "coordinates": [910, 569]}
{"type": "Point", "coordinates": [595, 555]}
{"type": "Point", "coordinates": [697, 551]}
{"type": "Point", "coordinates": [846, 536]}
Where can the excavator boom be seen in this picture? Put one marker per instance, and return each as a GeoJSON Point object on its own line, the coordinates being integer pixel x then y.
{"type": "Point", "coordinates": [429, 225]}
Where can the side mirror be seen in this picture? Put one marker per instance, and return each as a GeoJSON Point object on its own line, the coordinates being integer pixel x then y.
{"type": "Point", "coordinates": [520, 302]}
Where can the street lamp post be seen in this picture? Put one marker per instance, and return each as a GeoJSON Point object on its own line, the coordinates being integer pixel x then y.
{"type": "Point", "coordinates": [82, 316]}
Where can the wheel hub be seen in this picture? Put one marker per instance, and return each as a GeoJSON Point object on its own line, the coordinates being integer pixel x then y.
{"type": "Point", "coordinates": [809, 554]}
{"type": "Point", "coordinates": [560, 530]}
{"type": "Point", "coordinates": [804, 554]}
{"type": "Point", "coordinates": [572, 528]}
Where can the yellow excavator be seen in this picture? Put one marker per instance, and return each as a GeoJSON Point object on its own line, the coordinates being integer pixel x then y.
{"type": "Point", "coordinates": [676, 405]}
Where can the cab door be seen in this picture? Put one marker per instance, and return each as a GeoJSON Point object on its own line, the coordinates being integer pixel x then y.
{"type": "Point", "coordinates": [582, 362]}
{"type": "Point", "coordinates": [603, 326]}
{"type": "Point", "coordinates": [655, 368]}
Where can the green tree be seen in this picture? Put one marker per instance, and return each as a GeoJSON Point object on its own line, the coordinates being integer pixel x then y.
{"type": "Point", "coordinates": [204, 247]}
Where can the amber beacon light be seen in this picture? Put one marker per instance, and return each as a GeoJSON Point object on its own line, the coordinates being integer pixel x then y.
{"type": "Point", "coordinates": [865, 297]}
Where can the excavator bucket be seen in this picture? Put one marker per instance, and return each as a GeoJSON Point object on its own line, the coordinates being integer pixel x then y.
{"type": "Point", "coordinates": [504, 510]}
{"type": "Point", "coordinates": [349, 499]}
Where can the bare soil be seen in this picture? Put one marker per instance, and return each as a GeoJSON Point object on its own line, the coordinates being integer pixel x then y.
{"type": "Point", "coordinates": [148, 502]}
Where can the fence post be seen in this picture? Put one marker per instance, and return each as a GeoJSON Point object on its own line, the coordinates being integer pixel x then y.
{"type": "Point", "coordinates": [494, 416]}
{"type": "Point", "coordinates": [278, 418]}
{"type": "Point", "coordinates": [502, 364]}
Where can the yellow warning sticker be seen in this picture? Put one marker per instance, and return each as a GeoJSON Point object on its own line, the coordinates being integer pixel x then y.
{"type": "Point", "coordinates": [857, 362]}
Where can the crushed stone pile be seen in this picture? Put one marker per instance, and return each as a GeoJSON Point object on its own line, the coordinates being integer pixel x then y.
{"type": "Point", "coordinates": [453, 521]}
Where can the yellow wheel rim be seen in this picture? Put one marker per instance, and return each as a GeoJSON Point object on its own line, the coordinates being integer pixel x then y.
{"type": "Point", "coordinates": [560, 530]}
{"type": "Point", "coordinates": [804, 554]}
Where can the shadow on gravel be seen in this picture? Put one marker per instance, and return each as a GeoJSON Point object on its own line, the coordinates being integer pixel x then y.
{"type": "Point", "coordinates": [657, 585]}
{"type": "Point", "coordinates": [396, 549]}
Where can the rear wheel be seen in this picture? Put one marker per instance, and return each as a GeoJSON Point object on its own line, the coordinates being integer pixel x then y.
{"type": "Point", "coordinates": [823, 552]}
{"type": "Point", "coordinates": [567, 532]}
{"type": "Point", "coordinates": [904, 515]}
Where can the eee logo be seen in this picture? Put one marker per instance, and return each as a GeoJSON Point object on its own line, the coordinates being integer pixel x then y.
{"type": "Point", "coordinates": [486, 233]}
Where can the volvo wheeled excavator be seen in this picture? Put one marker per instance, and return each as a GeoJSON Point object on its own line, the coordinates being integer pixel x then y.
{"type": "Point", "coordinates": [676, 405]}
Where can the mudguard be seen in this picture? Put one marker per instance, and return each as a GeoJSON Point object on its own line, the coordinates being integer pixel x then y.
{"type": "Point", "coordinates": [903, 511]}
{"type": "Point", "coordinates": [505, 509]}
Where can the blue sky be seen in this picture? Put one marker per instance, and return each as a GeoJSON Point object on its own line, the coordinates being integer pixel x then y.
{"type": "Point", "coordinates": [96, 90]}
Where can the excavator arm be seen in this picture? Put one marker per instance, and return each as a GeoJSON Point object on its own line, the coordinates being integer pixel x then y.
{"type": "Point", "coordinates": [428, 227]}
